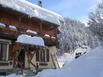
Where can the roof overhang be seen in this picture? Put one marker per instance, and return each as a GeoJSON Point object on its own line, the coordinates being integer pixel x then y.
{"type": "Point", "coordinates": [23, 20]}
{"type": "Point", "coordinates": [32, 11]}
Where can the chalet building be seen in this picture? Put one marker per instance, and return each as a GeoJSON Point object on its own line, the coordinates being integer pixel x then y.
{"type": "Point", "coordinates": [28, 36]}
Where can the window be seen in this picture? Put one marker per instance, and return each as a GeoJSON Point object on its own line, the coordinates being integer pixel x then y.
{"type": "Point", "coordinates": [42, 55]}
{"type": "Point", "coordinates": [3, 51]}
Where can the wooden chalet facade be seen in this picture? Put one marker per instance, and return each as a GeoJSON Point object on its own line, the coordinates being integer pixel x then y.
{"type": "Point", "coordinates": [18, 55]}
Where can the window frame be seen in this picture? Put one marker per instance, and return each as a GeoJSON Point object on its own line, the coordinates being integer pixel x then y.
{"type": "Point", "coordinates": [46, 55]}
{"type": "Point", "coordinates": [7, 42]}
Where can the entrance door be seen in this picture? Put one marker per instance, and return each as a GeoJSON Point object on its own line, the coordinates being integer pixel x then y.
{"type": "Point", "coordinates": [21, 59]}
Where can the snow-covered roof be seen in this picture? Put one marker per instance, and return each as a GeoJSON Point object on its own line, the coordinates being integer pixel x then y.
{"type": "Point", "coordinates": [32, 10]}
{"type": "Point", "coordinates": [26, 39]}
{"type": "Point", "coordinates": [3, 25]}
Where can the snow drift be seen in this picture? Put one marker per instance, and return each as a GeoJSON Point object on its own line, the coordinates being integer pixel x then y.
{"type": "Point", "coordinates": [88, 65]}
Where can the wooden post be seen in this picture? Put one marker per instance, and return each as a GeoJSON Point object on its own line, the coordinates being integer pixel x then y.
{"type": "Point", "coordinates": [57, 43]}
{"type": "Point", "coordinates": [7, 26]}
{"type": "Point", "coordinates": [41, 26]}
{"type": "Point", "coordinates": [40, 33]}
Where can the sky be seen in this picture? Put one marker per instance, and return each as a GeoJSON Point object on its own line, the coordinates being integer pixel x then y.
{"type": "Point", "coordinates": [75, 9]}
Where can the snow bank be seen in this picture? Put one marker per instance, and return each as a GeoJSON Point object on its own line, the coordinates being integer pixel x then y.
{"type": "Point", "coordinates": [30, 40]}
{"type": "Point", "coordinates": [88, 65]}
{"type": "Point", "coordinates": [32, 10]}
{"type": "Point", "coordinates": [14, 75]}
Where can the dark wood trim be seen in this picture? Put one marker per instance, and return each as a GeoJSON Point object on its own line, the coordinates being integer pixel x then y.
{"type": "Point", "coordinates": [4, 63]}
{"type": "Point", "coordinates": [43, 64]}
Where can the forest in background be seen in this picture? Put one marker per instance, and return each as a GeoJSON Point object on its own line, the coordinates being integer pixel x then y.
{"type": "Point", "coordinates": [75, 34]}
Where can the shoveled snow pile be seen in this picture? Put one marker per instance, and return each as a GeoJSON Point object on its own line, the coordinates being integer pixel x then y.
{"type": "Point", "coordinates": [25, 39]}
{"type": "Point", "coordinates": [32, 10]}
{"type": "Point", "coordinates": [88, 65]}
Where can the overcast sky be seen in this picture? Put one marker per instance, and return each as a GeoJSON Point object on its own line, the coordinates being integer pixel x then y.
{"type": "Point", "coordinates": [75, 9]}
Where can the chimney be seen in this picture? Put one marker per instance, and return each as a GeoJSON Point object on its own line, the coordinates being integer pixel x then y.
{"type": "Point", "coordinates": [40, 3]}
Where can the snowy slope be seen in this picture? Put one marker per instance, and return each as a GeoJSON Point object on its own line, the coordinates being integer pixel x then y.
{"type": "Point", "coordinates": [67, 58]}
{"type": "Point", "coordinates": [89, 65]}
{"type": "Point", "coordinates": [32, 10]}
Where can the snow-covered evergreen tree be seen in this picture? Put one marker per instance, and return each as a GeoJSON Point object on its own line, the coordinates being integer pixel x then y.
{"type": "Point", "coordinates": [96, 21]}
{"type": "Point", "coordinates": [75, 35]}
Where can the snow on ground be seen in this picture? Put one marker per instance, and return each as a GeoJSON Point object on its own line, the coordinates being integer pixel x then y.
{"type": "Point", "coordinates": [67, 58]}
{"type": "Point", "coordinates": [26, 39]}
{"type": "Point", "coordinates": [14, 75]}
{"type": "Point", "coordinates": [88, 65]}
